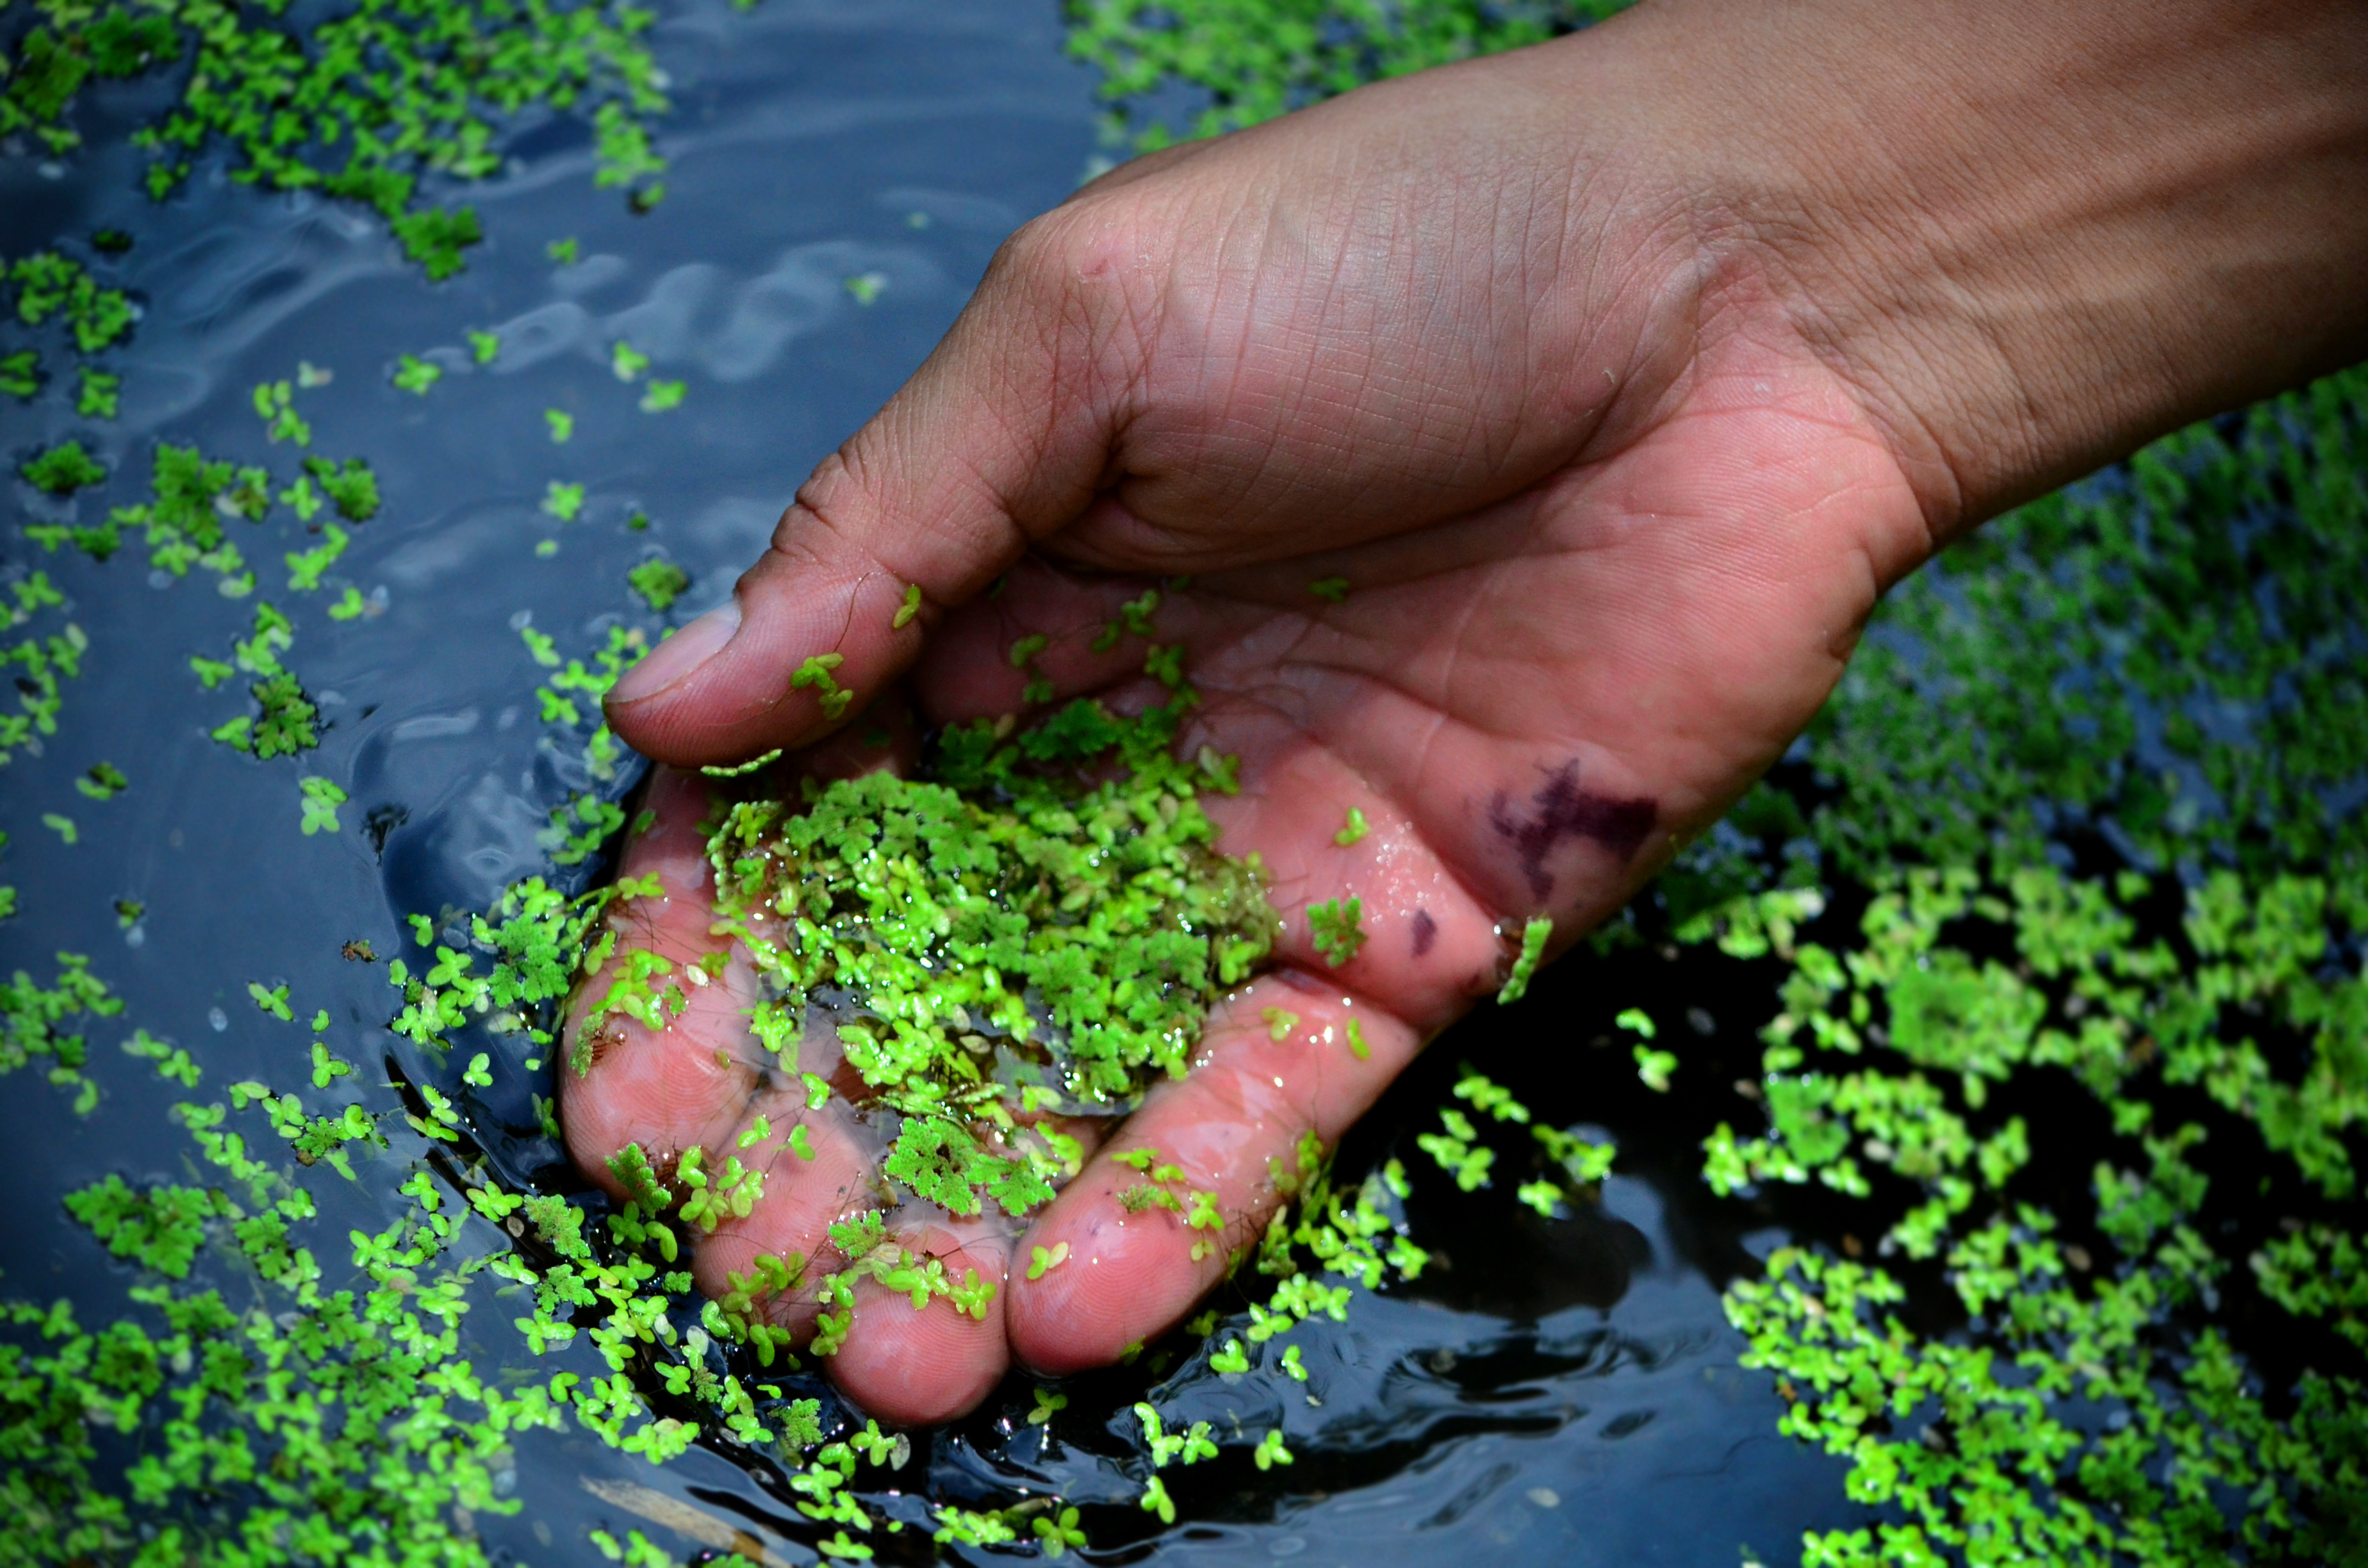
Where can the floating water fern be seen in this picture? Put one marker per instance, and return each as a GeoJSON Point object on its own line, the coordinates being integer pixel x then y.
{"type": "Point", "coordinates": [1040, 922]}
{"type": "Point", "coordinates": [359, 106]}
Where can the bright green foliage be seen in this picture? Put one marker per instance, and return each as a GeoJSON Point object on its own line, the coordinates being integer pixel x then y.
{"type": "Point", "coordinates": [62, 470]}
{"type": "Point", "coordinates": [51, 285]}
{"type": "Point", "coordinates": [594, 821]}
{"type": "Point", "coordinates": [1489, 1097]}
{"type": "Point", "coordinates": [816, 673]}
{"type": "Point", "coordinates": [103, 781]}
{"type": "Point", "coordinates": [183, 518]}
{"type": "Point", "coordinates": [1965, 1025]}
{"type": "Point", "coordinates": [350, 486]}
{"type": "Point", "coordinates": [560, 696]}
{"type": "Point", "coordinates": [1334, 927]}
{"type": "Point", "coordinates": [1001, 910]}
{"type": "Point", "coordinates": [284, 724]}
{"type": "Point", "coordinates": [1534, 936]}
{"type": "Point", "coordinates": [96, 396]}
{"type": "Point", "coordinates": [416, 375]}
{"type": "Point", "coordinates": [1653, 1067]}
{"type": "Point", "coordinates": [2319, 1271]}
{"type": "Point", "coordinates": [53, 66]}
{"type": "Point", "coordinates": [305, 566]}
{"type": "Point", "coordinates": [1458, 1151]}
{"type": "Point", "coordinates": [39, 662]}
{"type": "Point", "coordinates": [2176, 651]}
{"type": "Point", "coordinates": [1885, 1058]}
{"type": "Point", "coordinates": [32, 1017]}
{"type": "Point", "coordinates": [627, 361]}
{"type": "Point", "coordinates": [1252, 60]}
{"type": "Point", "coordinates": [1571, 1165]}
{"type": "Point", "coordinates": [660, 583]}
{"type": "Point", "coordinates": [173, 1063]}
{"type": "Point", "coordinates": [161, 1229]}
{"type": "Point", "coordinates": [561, 423]}
{"type": "Point", "coordinates": [535, 939]}
{"type": "Point", "coordinates": [320, 799]}
{"type": "Point", "coordinates": [664, 395]}
{"type": "Point", "coordinates": [740, 770]}
{"type": "Point", "coordinates": [275, 405]}
{"type": "Point", "coordinates": [563, 500]}
{"type": "Point", "coordinates": [361, 105]}
{"type": "Point", "coordinates": [20, 373]}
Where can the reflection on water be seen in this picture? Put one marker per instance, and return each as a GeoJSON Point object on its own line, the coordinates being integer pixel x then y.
{"type": "Point", "coordinates": [1565, 1389]}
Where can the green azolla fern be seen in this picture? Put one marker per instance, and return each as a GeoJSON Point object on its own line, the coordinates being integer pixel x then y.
{"type": "Point", "coordinates": [2174, 653]}
{"type": "Point", "coordinates": [360, 106]}
{"type": "Point", "coordinates": [1049, 901]}
{"type": "Point", "coordinates": [1251, 59]}
{"type": "Point", "coordinates": [1881, 1064]}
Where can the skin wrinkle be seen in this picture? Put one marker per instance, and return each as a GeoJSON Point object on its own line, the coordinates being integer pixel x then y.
{"type": "Point", "coordinates": [1264, 697]}
{"type": "Point", "coordinates": [1739, 432]}
{"type": "Point", "coordinates": [1137, 327]}
{"type": "Point", "coordinates": [1309, 731]}
{"type": "Point", "coordinates": [1310, 727]}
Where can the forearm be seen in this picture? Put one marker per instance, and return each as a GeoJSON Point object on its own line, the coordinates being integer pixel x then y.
{"type": "Point", "coordinates": [2033, 234]}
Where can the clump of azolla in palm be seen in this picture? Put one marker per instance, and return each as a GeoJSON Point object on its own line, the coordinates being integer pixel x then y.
{"type": "Point", "coordinates": [1038, 923]}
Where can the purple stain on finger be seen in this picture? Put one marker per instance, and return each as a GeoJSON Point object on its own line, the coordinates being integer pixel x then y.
{"type": "Point", "coordinates": [1426, 932]}
{"type": "Point", "coordinates": [1562, 810]}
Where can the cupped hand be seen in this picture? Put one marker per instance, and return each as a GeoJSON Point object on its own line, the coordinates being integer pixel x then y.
{"type": "Point", "coordinates": [1466, 343]}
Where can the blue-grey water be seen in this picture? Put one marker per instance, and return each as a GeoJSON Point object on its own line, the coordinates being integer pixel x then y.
{"type": "Point", "coordinates": [1569, 1392]}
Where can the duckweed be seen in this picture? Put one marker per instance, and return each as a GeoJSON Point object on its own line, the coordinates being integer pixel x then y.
{"type": "Point", "coordinates": [660, 583]}
{"type": "Point", "coordinates": [62, 470]}
{"type": "Point", "coordinates": [1004, 935]}
{"type": "Point", "coordinates": [1879, 1074]}
{"type": "Point", "coordinates": [1534, 936]}
{"type": "Point", "coordinates": [314, 1399]}
{"type": "Point", "coordinates": [1335, 929]}
{"type": "Point", "coordinates": [359, 106]}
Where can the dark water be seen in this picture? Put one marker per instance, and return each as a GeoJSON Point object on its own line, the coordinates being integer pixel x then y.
{"type": "Point", "coordinates": [1568, 1391]}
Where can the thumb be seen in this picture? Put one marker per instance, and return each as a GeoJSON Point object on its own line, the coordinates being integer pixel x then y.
{"type": "Point", "coordinates": [1001, 438]}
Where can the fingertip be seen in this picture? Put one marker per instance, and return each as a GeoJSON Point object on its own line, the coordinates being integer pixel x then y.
{"type": "Point", "coordinates": [1126, 1278]}
{"type": "Point", "coordinates": [912, 1367]}
{"type": "Point", "coordinates": [799, 650]}
{"type": "Point", "coordinates": [677, 658]}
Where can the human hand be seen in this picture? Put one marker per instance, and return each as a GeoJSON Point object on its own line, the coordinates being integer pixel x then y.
{"type": "Point", "coordinates": [1614, 463]}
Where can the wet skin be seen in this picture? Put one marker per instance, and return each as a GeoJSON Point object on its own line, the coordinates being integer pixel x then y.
{"type": "Point", "coordinates": [1584, 613]}
{"type": "Point", "coordinates": [1618, 377]}
{"type": "Point", "coordinates": [1530, 703]}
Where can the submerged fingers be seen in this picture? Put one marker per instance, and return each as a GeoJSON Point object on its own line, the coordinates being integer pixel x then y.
{"type": "Point", "coordinates": [920, 1310]}
{"type": "Point", "coordinates": [1155, 1220]}
{"type": "Point", "coordinates": [749, 1164]}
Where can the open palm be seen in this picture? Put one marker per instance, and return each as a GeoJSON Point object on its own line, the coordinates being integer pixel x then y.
{"type": "Point", "coordinates": [1608, 529]}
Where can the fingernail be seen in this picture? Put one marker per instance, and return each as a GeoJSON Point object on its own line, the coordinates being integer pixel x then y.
{"type": "Point", "coordinates": [673, 661]}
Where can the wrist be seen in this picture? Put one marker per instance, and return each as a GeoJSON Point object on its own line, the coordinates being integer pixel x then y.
{"type": "Point", "coordinates": [2032, 237]}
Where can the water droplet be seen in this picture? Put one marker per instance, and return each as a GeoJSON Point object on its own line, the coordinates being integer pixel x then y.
{"type": "Point", "coordinates": [218, 1018]}
{"type": "Point", "coordinates": [1545, 1496]}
